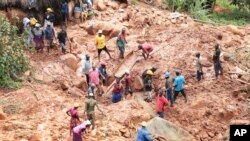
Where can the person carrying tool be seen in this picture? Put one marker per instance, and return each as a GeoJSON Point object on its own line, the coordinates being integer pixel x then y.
{"type": "Point", "coordinates": [90, 105]}
{"type": "Point", "coordinates": [62, 36]}
{"type": "Point", "coordinates": [77, 131]}
{"type": "Point", "coordinates": [143, 134]}
{"type": "Point", "coordinates": [216, 59]}
{"type": "Point", "coordinates": [73, 113]}
{"type": "Point", "coordinates": [103, 73]}
{"type": "Point", "coordinates": [160, 103]}
{"type": "Point", "coordinates": [86, 67]}
{"type": "Point", "coordinates": [153, 69]}
{"type": "Point", "coordinates": [38, 35]}
{"type": "Point", "coordinates": [94, 78]}
{"type": "Point", "coordinates": [146, 50]}
{"type": "Point", "coordinates": [49, 18]}
{"type": "Point", "coordinates": [168, 85]}
{"type": "Point", "coordinates": [199, 72]}
{"type": "Point", "coordinates": [179, 86]}
{"type": "Point", "coordinates": [49, 36]}
{"type": "Point", "coordinates": [128, 83]}
{"type": "Point", "coordinates": [147, 81]}
{"type": "Point", "coordinates": [121, 42]}
{"type": "Point", "coordinates": [100, 43]}
{"type": "Point", "coordinates": [117, 91]}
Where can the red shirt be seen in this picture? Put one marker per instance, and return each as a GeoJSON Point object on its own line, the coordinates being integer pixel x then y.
{"type": "Point", "coordinates": [118, 88]}
{"type": "Point", "coordinates": [147, 48]}
{"type": "Point", "coordinates": [128, 80]}
{"type": "Point", "coordinates": [160, 103]}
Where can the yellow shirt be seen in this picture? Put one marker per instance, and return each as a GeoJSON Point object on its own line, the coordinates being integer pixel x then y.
{"type": "Point", "coordinates": [100, 41]}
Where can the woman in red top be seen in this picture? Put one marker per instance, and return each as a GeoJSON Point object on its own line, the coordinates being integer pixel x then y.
{"type": "Point", "coordinates": [117, 91]}
{"type": "Point", "coordinates": [146, 50]}
{"type": "Point", "coordinates": [160, 103]}
{"type": "Point", "coordinates": [73, 113]}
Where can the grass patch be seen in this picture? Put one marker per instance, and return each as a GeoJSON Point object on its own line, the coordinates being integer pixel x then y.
{"type": "Point", "coordinates": [235, 17]}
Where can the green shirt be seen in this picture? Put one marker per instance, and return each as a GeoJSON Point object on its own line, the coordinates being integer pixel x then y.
{"type": "Point", "coordinates": [169, 83]}
{"type": "Point", "coordinates": [90, 106]}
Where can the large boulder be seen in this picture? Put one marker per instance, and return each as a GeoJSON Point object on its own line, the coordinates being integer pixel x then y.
{"type": "Point", "coordinates": [101, 6]}
{"type": "Point", "coordinates": [70, 60]}
{"type": "Point", "coordinates": [138, 84]}
{"type": "Point", "coordinates": [2, 114]}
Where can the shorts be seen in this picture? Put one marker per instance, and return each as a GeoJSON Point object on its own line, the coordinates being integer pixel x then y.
{"type": "Point", "coordinates": [100, 50]}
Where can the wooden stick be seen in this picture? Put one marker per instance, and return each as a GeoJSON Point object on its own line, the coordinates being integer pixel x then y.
{"type": "Point", "coordinates": [242, 81]}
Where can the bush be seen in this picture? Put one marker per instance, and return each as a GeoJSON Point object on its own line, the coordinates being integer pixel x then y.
{"type": "Point", "coordinates": [12, 60]}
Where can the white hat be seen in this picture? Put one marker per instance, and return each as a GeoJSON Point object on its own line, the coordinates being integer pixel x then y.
{"type": "Point", "coordinates": [99, 31]}
{"type": "Point", "coordinates": [91, 94]}
{"type": "Point", "coordinates": [143, 124]}
{"type": "Point", "coordinates": [87, 122]}
{"type": "Point", "coordinates": [127, 71]}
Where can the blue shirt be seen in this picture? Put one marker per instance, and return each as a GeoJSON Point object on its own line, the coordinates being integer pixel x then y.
{"type": "Point", "coordinates": [65, 8]}
{"type": "Point", "coordinates": [143, 135]}
{"type": "Point", "coordinates": [179, 83]}
{"type": "Point", "coordinates": [102, 71]}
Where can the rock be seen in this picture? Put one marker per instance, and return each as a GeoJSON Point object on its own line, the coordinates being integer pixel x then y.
{"type": "Point", "coordinates": [113, 4]}
{"type": "Point", "coordinates": [2, 114]}
{"type": "Point", "coordinates": [226, 57]}
{"type": "Point", "coordinates": [38, 76]}
{"type": "Point", "coordinates": [239, 122]}
{"type": "Point", "coordinates": [70, 60]}
{"type": "Point", "coordinates": [210, 134]}
{"type": "Point", "coordinates": [81, 84]}
{"type": "Point", "coordinates": [228, 113]}
{"type": "Point", "coordinates": [235, 30]}
{"type": "Point", "coordinates": [27, 73]}
{"type": "Point", "coordinates": [123, 6]}
{"type": "Point", "coordinates": [75, 92]}
{"type": "Point", "coordinates": [64, 85]}
{"type": "Point", "coordinates": [35, 138]}
{"type": "Point", "coordinates": [138, 84]}
{"type": "Point", "coordinates": [101, 6]}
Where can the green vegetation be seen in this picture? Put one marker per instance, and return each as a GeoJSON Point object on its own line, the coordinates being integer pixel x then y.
{"type": "Point", "coordinates": [236, 12]}
{"type": "Point", "coordinates": [12, 60]}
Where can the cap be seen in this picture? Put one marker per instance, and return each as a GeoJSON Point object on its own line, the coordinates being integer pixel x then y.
{"type": "Point", "coordinates": [37, 25]}
{"type": "Point", "coordinates": [127, 71]}
{"type": "Point", "coordinates": [87, 122]}
{"type": "Point", "coordinates": [99, 31]}
{"type": "Point", "coordinates": [76, 105]}
{"type": "Point", "coordinates": [149, 72]}
{"type": "Point", "coordinates": [167, 74]}
{"type": "Point", "coordinates": [153, 69]}
{"type": "Point", "coordinates": [143, 124]}
{"type": "Point", "coordinates": [49, 10]}
{"type": "Point", "coordinates": [91, 94]}
{"type": "Point", "coordinates": [102, 63]}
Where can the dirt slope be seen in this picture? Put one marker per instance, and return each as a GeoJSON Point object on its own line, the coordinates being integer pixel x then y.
{"type": "Point", "coordinates": [37, 110]}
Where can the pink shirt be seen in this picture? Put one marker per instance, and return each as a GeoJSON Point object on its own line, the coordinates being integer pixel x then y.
{"type": "Point", "coordinates": [79, 128]}
{"type": "Point", "coordinates": [94, 76]}
{"type": "Point", "coordinates": [147, 48]}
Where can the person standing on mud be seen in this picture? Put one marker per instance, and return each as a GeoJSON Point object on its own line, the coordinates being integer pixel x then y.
{"type": "Point", "coordinates": [73, 113]}
{"type": "Point", "coordinates": [49, 17]}
{"type": "Point", "coordinates": [121, 42]}
{"type": "Point", "coordinates": [160, 103]}
{"type": "Point", "coordinates": [77, 131]}
{"type": "Point", "coordinates": [216, 59]}
{"type": "Point", "coordinates": [143, 134]}
{"type": "Point", "coordinates": [87, 65]}
{"type": "Point", "coordinates": [146, 50]}
{"type": "Point", "coordinates": [153, 69]}
{"type": "Point", "coordinates": [94, 78]}
{"type": "Point", "coordinates": [103, 73]}
{"type": "Point", "coordinates": [90, 105]}
{"type": "Point", "coordinates": [199, 72]}
{"type": "Point", "coordinates": [168, 86]}
{"type": "Point", "coordinates": [65, 12]}
{"type": "Point", "coordinates": [49, 36]}
{"type": "Point", "coordinates": [179, 86]}
{"type": "Point", "coordinates": [128, 83]}
{"type": "Point", "coordinates": [117, 91]}
{"type": "Point", "coordinates": [62, 36]}
{"type": "Point", "coordinates": [100, 43]}
{"type": "Point", "coordinates": [38, 35]}
{"type": "Point", "coordinates": [147, 81]}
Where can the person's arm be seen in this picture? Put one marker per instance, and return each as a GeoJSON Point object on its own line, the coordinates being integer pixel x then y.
{"type": "Point", "coordinates": [86, 107]}
{"type": "Point", "coordinates": [68, 113]}
{"type": "Point", "coordinates": [77, 117]}
{"type": "Point", "coordinates": [148, 137]}
{"type": "Point", "coordinates": [99, 108]}
{"type": "Point", "coordinates": [96, 43]}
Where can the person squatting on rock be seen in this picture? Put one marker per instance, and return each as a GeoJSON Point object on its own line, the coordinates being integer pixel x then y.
{"type": "Point", "coordinates": [121, 42]}
{"type": "Point", "coordinates": [95, 79]}
{"type": "Point", "coordinates": [143, 134]}
{"type": "Point", "coordinates": [146, 50]}
{"type": "Point", "coordinates": [147, 81]}
{"type": "Point", "coordinates": [62, 36]}
{"type": "Point", "coordinates": [100, 43]}
{"type": "Point", "coordinates": [103, 73]}
{"type": "Point", "coordinates": [117, 91]}
{"type": "Point", "coordinates": [198, 63]}
{"type": "Point", "coordinates": [49, 36]}
{"type": "Point", "coordinates": [179, 86]}
{"type": "Point", "coordinates": [38, 35]}
{"type": "Point", "coordinates": [216, 59]}
{"type": "Point", "coordinates": [90, 105]}
{"type": "Point", "coordinates": [77, 131]}
{"type": "Point", "coordinates": [86, 67]}
{"type": "Point", "coordinates": [73, 113]}
{"type": "Point", "coordinates": [161, 102]}
{"type": "Point", "coordinates": [168, 86]}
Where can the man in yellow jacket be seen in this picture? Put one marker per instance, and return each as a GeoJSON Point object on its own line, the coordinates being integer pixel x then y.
{"type": "Point", "coordinates": [100, 43]}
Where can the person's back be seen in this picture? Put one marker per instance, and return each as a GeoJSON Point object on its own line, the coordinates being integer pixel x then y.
{"type": "Point", "coordinates": [147, 81]}
{"type": "Point", "coordinates": [94, 76]}
{"type": "Point", "coordinates": [179, 83]}
{"type": "Point", "coordinates": [87, 66]}
{"type": "Point", "coordinates": [62, 37]}
{"type": "Point", "coordinates": [37, 32]}
{"type": "Point", "coordinates": [143, 135]}
{"type": "Point", "coordinates": [65, 8]}
{"type": "Point", "coordinates": [100, 40]}
{"type": "Point", "coordinates": [216, 57]}
{"type": "Point", "coordinates": [49, 33]}
{"type": "Point", "coordinates": [91, 103]}
{"type": "Point", "coordinates": [169, 82]}
{"type": "Point", "coordinates": [161, 102]}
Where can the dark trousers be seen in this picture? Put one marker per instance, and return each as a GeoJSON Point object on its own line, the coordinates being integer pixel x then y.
{"type": "Point", "coordinates": [199, 75]}
{"type": "Point", "coordinates": [161, 114]}
{"type": "Point", "coordinates": [169, 95]}
{"type": "Point", "coordinates": [122, 51]}
{"type": "Point", "coordinates": [87, 79]}
{"type": "Point", "coordinates": [217, 68]}
{"type": "Point", "coordinates": [182, 92]}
